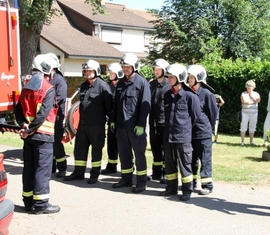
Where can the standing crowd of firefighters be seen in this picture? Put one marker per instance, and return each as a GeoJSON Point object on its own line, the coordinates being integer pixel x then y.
{"type": "Point", "coordinates": [182, 111]}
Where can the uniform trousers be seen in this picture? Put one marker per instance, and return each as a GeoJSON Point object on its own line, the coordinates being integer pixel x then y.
{"type": "Point", "coordinates": [87, 136]}
{"type": "Point", "coordinates": [128, 141]}
{"type": "Point", "coordinates": [112, 148]}
{"type": "Point", "coordinates": [202, 151]}
{"type": "Point", "coordinates": [37, 170]}
{"type": "Point", "coordinates": [157, 147]}
{"type": "Point", "coordinates": [177, 154]}
{"type": "Point", "coordinates": [59, 150]}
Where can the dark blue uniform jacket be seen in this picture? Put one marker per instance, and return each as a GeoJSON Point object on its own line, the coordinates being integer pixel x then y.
{"type": "Point", "coordinates": [181, 114]}
{"type": "Point", "coordinates": [60, 85]}
{"type": "Point", "coordinates": [157, 114]}
{"type": "Point", "coordinates": [204, 126]}
{"type": "Point", "coordinates": [132, 103]}
{"type": "Point", "coordinates": [95, 102]}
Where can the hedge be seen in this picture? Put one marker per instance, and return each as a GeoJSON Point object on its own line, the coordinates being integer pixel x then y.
{"type": "Point", "coordinates": [228, 78]}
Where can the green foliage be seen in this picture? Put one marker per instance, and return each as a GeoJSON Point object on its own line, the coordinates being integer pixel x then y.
{"type": "Point", "coordinates": [36, 13]}
{"type": "Point", "coordinates": [39, 12]}
{"type": "Point", "coordinates": [188, 30]}
{"type": "Point", "coordinates": [268, 139]}
{"type": "Point", "coordinates": [97, 8]}
{"type": "Point", "coordinates": [228, 78]}
{"type": "Point", "coordinates": [147, 72]}
{"type": "Point", "coordinates": [106, 77]}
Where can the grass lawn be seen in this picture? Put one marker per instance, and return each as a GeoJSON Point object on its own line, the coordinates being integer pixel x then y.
{"type": "Point", "coordinates": [231, 162]}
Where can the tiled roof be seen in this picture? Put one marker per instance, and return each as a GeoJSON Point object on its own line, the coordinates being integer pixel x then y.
{"type": "Point", "coordinates": [72, 42]}
{"type": "Point", "coordinates": [142, 13]}
{"type": "Point", "coordinates": [116, 14]}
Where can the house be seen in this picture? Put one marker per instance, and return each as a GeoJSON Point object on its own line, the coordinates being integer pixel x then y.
{"type": "Point", "coordinates": [79, 35]}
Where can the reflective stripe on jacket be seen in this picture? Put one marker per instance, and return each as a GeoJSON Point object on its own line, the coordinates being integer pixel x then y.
{"type": "Point", "coordinates": [31, 101]}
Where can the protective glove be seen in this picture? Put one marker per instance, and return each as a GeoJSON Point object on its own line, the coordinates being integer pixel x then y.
{"type": "Point", "coordinates": [112, 126]}
{"type": "Point", "coordinates": [139, 130]}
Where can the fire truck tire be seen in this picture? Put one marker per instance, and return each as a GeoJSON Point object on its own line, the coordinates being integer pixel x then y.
{"type": "Point", "coordinates": [73, 118]}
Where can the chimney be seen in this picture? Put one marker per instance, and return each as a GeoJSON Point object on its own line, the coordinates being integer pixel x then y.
{"type": "Point", "coordinates": [102, 3]}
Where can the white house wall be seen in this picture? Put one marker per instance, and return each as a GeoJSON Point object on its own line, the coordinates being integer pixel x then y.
{"type": "Point", "coordinates": [132, 41]}
{"type": "Point", "coordinates": [46, 47]}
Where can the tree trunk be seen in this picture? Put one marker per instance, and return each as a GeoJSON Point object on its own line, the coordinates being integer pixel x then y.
{"type": "Point", "coordinates": [29, 37]}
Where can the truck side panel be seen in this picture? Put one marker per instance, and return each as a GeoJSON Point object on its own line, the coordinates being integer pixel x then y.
{"type": "Point", "coordinates": [10, 80]}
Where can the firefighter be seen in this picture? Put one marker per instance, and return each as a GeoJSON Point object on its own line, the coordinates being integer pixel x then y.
{"type": "Point", "coordinates": [115, 73]}
{"type": "Point", "coordinates": [158, 86]}
{"type": "Point", "coordinates": [60, 85]}
{"type": "Point", "coordinates": [182, 109]}
{"type": "Point", "coordinates": [36, 113]}
{"type": "Point", "coordinates": [95, 104]}
{"type": "Point", "coordinates": [131, 108]}
{"type": "Point", "coordinates": [202, 131]}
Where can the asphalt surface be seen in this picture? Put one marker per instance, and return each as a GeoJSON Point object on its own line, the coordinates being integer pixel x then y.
{"type": "Point", "coordinates": [100, 209]}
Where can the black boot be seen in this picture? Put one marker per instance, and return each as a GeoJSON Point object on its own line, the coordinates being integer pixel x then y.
{"type": "Point", "coordinates": [73, 176]}
{"type": "Point", "coordinates": [139, 188]}
{"type": "Point", "coordinates": [110, 169]}
{"type": "Point", "coordinates": [49, 209]}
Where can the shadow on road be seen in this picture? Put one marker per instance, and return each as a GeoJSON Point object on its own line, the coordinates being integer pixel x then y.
{"type": "Point", "coordinates": [224, 206]}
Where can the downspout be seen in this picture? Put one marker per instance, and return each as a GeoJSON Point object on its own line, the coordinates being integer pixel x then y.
{"type": "Point", "coordinates": [99, 31]}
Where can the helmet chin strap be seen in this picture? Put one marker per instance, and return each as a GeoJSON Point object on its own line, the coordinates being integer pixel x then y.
{"type": "Point", "coordinates": [176, 83]}
{"type": "Point", "coordinates": [162, 75]}
{"type": "Point", "coordinates": [93, 77]}
{"type": "Point", "coordinates": [131, 74]}
{"type": "Point", "coordinates": [194, 83]}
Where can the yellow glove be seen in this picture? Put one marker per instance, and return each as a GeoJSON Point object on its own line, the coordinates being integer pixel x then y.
{"type": "Point", "coordinates": [139, 130]}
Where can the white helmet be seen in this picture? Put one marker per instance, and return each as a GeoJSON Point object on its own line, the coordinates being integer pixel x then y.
{"type": "Point", "coordinates": [116, 68]}
{"type": "Point", "coordinates": [161, 63]}
{"type": "Point", "coordinates": [56, 63]}
{"type": "Point", "coordinates": [198, 72]}
{"type": "Point", "coordinates": [92, 65]}
{"type": "Point", "coordinates": [200, 75]}
{"type": "Point", "coordinates": [177, 70]}
{"type": "Point", "coordinates": [42, 63]}
{"type": "Point", "coordinates": [130, 59]}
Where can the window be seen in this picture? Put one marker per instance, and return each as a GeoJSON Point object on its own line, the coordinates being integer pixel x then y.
{"type": "Point", "coordinates": [111, 35]}
{"type": "Point", "coordinates": [103, 69]}
{"type": "Point", "coordinates": [146, 39]}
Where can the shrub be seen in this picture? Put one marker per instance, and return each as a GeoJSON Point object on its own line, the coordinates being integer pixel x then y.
{"type": "Point", "coordinates": [147, 72]}
{"type": "Point", "coordinates": [268, 139]}
{"type": "Point", "coordinates": [228, 78]}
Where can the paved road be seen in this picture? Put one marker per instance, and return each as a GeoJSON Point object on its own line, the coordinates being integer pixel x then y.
{"type": "Point", "coordinates": [100, 209]}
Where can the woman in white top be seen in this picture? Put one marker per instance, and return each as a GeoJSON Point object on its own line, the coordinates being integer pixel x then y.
{"type": "Point", "coordinates": [250, 100]}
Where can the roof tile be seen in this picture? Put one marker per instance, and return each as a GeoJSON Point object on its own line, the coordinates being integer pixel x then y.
{"type": "Point", "coordinates": [75, 43]}
{"type": "Point", "coordinates": [114, 14]}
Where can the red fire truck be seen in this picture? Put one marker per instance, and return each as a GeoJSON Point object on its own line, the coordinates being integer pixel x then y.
{"type": "Point", "coordinates": [10, 82]}
{"type": "Point", "coordinates": [10, 77]}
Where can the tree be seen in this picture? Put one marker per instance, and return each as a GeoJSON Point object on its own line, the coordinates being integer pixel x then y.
{"type": "Point", "coordinates": [33, 15]}
{"type": "Point", "coordinates": [188, 30]}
